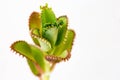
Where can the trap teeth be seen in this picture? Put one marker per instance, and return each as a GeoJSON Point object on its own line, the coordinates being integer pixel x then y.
{"type": "Point", "coordinates": [56, 59]}
{"type": "Point", "coordinates": [52, 58]}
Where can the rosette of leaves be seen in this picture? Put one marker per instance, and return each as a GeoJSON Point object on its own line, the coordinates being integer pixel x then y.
{"type": "Point", "coordinates": [53, 42]}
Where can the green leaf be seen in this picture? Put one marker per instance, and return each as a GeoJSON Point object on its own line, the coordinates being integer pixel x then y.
{"type": "Point", "coordinates": [44, 44]}
{"type": "Point", "coordinates": [35, 21]}
{"type": "Point", "coordinates": [32, 67]}
{"type": "Point", "coordinates": [23, 48]}
{"type": "Point", "coordinates": [35, 32]}
{"type": "Point", "coordinates": [66, 44]}
{"type": "Point", "coordinates": [71, 36]}
{"type": "Point", "coordinates": [38, 56]}
{"type": "Point", "coordinates": [51, 35]}
{"type": "Point", "coordinates": [31, 52]}
{"type": "Point", "coordinates": [62, 23]}
{"type": "Point", "coordinates": [47, 15]}
{"type": "Point", "coordinates": [64, 54]}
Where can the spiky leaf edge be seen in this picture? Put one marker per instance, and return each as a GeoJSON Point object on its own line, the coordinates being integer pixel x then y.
{"type": "Point", "coordinates": [62, 28]}
{"type": "Point", "coordinates": [35, 55]}
{"type": "Point", "coordinates": [40, 40]}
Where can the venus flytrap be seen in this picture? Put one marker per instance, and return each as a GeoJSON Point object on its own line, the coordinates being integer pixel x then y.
{"type": "Point", "coordinates": [53, 42]}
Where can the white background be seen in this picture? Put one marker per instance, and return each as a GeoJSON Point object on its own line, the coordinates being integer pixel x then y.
{"type": "Point", "coordinates": [96, 50]}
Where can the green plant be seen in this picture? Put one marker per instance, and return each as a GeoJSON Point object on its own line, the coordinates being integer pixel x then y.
{"type": "Point", "coordinates": [53, 42]}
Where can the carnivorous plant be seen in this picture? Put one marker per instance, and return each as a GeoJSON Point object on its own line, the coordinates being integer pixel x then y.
{"type": "Point", "coordinates": [52, 42]}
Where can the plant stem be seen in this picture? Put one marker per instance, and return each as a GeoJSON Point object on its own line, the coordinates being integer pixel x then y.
{"type": "Point", "coordinates": [45, 76]}
{"type": "Point", "coordinates": [52, 67]}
